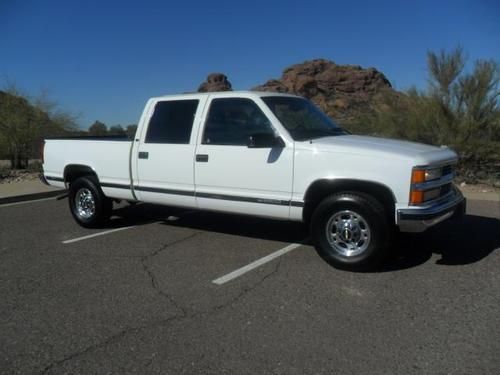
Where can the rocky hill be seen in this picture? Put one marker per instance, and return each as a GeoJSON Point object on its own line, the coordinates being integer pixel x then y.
{"type": "Point", "coordinates": [215, 82]}
{"type": "Point", "coordinates": [344, 92]}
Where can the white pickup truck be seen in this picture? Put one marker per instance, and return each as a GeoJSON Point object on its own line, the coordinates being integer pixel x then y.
{"type": "Point", "coordinates": [264, 154]}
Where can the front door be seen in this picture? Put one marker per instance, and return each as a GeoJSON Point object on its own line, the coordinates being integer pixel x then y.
{"type": "Point", "coordinates": [230, 176]}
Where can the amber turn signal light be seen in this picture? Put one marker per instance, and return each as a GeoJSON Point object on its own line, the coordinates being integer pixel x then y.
{"type": "Point", "coordinates": [418, 176]}
{"type": "Point", "coordinates": [416, 197]}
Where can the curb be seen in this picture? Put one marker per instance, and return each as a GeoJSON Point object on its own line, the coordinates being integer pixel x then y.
{"type": "Point", "coordinates": [31, 197]}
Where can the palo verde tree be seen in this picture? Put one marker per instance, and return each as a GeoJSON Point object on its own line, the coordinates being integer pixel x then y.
{"type": "Point", "coordinates": [466, 104]}
{"type": "Point", "coordinates": [459, 108]}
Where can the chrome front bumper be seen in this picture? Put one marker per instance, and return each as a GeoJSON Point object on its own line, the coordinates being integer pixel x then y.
{"type": "Point", "coordinates": [418, 219]}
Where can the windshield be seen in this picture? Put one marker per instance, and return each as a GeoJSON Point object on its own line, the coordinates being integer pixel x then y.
{"type": "Point", "coordinates": [301, 118]}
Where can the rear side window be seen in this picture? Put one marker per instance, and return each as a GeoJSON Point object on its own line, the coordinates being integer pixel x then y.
{"type": "Point", "coordinates": [172, 122]}
{"type": "Point", "coordinates": [231, 121]}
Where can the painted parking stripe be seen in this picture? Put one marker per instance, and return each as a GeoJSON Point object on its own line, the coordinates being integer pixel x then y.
{"type": "Point", "coordinates": [27, 202]}
{"type": "Point", "coordinates": [97, 234]}
{"type": "Point", "coordinates": [259, 262]}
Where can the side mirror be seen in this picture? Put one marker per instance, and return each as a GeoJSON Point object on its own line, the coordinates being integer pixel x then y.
{"type": "Point", "coordinates": [265, 140]}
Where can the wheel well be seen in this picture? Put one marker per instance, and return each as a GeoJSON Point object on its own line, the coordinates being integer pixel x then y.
{"type": "Point", "coordinates": [320, 189]}
{"type": "Point", "coordinates": [74, 171]}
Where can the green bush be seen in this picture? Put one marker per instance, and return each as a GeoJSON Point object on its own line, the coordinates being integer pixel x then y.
{"type": "Point", "coordinates": [458, 109]}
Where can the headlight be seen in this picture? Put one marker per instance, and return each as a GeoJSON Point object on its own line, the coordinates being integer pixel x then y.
{"type": "Point", "coordinates": [432, 174]}
{"type": "Point", "coordinates": [432, 194]}
{"type": "Point", "coordinates": [426, 183]}
{"type": "Point", "coordinates": [422, 175]}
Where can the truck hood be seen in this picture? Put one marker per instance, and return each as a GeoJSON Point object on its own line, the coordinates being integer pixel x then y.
{"type": "Point", "coordinates": [418, 153]}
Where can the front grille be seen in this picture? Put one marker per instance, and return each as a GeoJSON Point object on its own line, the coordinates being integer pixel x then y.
{"type": "Point", "coordinates": [445, 189]}
{"type": "Point", "coordinates": [447, 169]}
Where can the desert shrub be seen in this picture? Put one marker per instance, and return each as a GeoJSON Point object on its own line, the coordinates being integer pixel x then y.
{"type": "Point", "coordinates": [479, 161]}
{"type": "Point", "coordinates": [458, 109]}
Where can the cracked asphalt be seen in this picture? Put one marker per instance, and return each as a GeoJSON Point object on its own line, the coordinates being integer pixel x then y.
{"type": "Point", "coordinates": [142, 300]}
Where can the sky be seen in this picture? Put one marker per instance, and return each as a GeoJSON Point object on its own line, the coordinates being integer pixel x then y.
{"type": "Point", "coordinates": [103, 59]}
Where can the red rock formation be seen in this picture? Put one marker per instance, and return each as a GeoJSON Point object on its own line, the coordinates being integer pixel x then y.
{"type": "Point", "coordinates": [342, 91]}
{"type": "Point", "coordinates": [215, 82]}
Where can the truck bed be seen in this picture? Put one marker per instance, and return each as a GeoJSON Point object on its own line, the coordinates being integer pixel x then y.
{"type": "Point", "coordinates": [109, 157]}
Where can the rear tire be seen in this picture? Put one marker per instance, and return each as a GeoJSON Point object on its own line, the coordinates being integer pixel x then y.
{"type": "Point", "coordinates": [88, 204]}
{"type": "Point", "coordinates": [351, 231]}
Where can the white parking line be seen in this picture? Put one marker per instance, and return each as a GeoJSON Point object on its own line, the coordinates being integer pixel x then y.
{"type": "Point", "coordinates": [26, 202]}
{"type": "Point", "coordinates": [97, 234]}
{"type": "Point", "coordinates": [259, 262]}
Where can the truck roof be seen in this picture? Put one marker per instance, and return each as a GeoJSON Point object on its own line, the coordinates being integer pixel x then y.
{"type": "Point", "coordinates": [224, 94]}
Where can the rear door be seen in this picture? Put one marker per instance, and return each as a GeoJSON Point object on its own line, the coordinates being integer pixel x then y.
{"type": "Point", "coordinates": [165, 154]}
{"type": "Point", "coordinates": [232, 177]}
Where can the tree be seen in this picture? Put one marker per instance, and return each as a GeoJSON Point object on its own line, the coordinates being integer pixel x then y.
{"type": "Point", "coordinates": [24, 122]}
{"type": "Point", "coordinates": [61, 122]}
{"type": "Point", "coordinates": [3, 147]}
{"type": "Point", "coordinates": [117, 130]}
{"type": "Point", "coordinates": [131, 129]}
{"type": "Point", "coordinates": [466, 103]}
{"type": "Point", "coordinates": [98, 129]}
{"type": "Point", "coordinates": [20, 125]}
{"type": "Point", "coordinates": [459, 108]}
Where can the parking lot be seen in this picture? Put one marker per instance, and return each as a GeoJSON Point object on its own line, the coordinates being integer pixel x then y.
{"type": "Point", "coordinates": [162, 290]}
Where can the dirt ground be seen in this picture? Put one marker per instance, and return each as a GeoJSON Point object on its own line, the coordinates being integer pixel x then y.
{"type": "Point", "coordinates": [15, 176]}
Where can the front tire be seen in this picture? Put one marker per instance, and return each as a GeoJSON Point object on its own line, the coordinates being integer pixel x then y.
{"type": "Point", "coordinates": [350, 230]}
{"type": "Point", "coordinates": [88, 204]}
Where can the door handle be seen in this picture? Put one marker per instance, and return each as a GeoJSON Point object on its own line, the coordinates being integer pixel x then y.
{"type": "Point", "coordinates": [143, 155]}
{"type": "Point", "coordinates": [202, 158]}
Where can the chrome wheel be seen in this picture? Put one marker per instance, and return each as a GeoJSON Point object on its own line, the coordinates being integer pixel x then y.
{"type": "Point", "coordinates": [348, 233]}
{"type": "Point", "coordinates": [84, 203]}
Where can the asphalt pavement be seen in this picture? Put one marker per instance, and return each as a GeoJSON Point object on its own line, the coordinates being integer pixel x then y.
{"type": "Point", "coordinates": [140, 297]}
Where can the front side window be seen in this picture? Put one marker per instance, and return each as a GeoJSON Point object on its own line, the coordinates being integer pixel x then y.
{"type": "Point", "coordinates": [231, 121]}
{"type": "Point", "coordinates": [301, 118]}
{"type": "Point", "coordinates": [172, 122]}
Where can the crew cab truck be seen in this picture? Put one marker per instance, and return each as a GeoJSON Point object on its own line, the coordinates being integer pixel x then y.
{"type": "Point", "coordinates": [264, 154]}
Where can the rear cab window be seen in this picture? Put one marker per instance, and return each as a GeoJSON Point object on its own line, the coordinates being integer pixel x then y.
{"type": "Point", "coordinates": [172, 122]}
